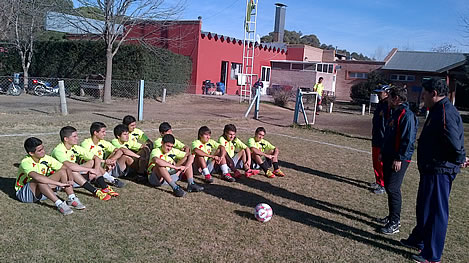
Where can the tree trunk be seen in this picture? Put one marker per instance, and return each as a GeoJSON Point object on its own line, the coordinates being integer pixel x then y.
{"type": "Point", "coordinates": [25, 80]}
{"type": "Point", "coordinates": [107, 82]}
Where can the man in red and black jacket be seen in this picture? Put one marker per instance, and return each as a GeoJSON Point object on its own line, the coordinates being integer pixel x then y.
{"type": "Point", "coordinates": [440, 155]}
{"type": "Point", "coordinates": [380, 117]}
{"type": "Point", "coordinates": [396, 153]}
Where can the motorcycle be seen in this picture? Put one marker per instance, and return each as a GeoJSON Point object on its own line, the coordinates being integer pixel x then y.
{"type": "Point", "coordinates": [13, 88]}
{"type": "Point", "coordinates": [44, 88]}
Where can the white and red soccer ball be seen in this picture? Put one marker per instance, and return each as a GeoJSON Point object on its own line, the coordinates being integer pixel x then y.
{"type": "Point", "coordinates": [263, 212]}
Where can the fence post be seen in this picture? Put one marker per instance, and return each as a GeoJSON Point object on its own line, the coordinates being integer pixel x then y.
{"type": "Point", "coordinates": [63, 101]}
{"type": "Point", "coordinates": [141, 89]}
{"type": "Point", "coordinates": [363, 109]}
{"type": "Point", "coordinates": [163, 100]}
{"type": "Point", "coordinates": [331, 106]}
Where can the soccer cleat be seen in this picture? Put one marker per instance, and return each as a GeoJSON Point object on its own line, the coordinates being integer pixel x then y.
{"type": "Point", "coordinates": [279, 173]}
{"type": "Point", "coordinates": [237, 174]}
{"type": "Point", "coordinates": [64, 209]}
{"type": "Point", "coordinates": [248, 173]}
{"type": "Point", "coordinates": [379, 190]}
{"type": "Point", "coordinates": [179, 192]}
{"type": "Point", "coordinates": [75, 203]}
{"type": "Point", "coordinates": [269, 174]}
{"type": "Point", "coordinates": [194, 188]}
{"type": "Point", "coordinates": [108, 190]}
{"type": "Point", "coordinates": [118, 183]}
{"type": "Point", "coordinates": [406, 243]}
{"type": "Point", "coordinates": [228, 177]}
{"type": "Point", "coordinates": [102, 196]}
{"type": "Point", "coordinates": [390, 228]}
{"type": "Point", "coordinates": [208, 179]}
{"type": "Point", "coordinates": [385, 221]}
{"type": "Point", "coordinates": [420, 259]}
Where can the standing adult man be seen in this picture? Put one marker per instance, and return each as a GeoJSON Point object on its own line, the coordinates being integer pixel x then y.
{"type": "Point", "coordinates": [396, 153]}
{"type": "Point", "coordinates": [319, 87]}
{"type": "Point", "coordinates": [440, 154]}
{"type": "Point", "coordinates": [380, 117]}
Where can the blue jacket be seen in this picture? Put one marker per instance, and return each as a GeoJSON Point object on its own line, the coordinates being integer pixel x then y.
{"type": "Point", "coordinates": [441, 143]}
{"type": "Point", "coordinates": [380, 117]}
{"type": "Point", "coordinates": [400, 134]}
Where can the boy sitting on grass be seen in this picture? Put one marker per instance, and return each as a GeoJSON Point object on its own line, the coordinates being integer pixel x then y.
{"type": "Point", "coordinates": [39, 172]}
{"type": "Point", "coordinates": [264, 154]}
{"type": "Point", "coordinates": [209, 154]}
{"type": "Point", "coordinates": [135, 134]}
{"type": "Point", "coordinates": [238, 155]}
{"type": "Point", "coordinates": [122, 157]}
{"type": "Point", "coordinates": [164, 129]}
{"type": "Point", "coordinates": [169, 165]}
{"type": "Point", "coordinates": [121, 132]}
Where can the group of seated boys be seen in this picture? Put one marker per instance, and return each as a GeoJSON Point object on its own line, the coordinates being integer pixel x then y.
{"type": "Point", "coordinates": [96, 163]}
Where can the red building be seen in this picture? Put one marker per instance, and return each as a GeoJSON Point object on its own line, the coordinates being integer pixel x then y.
{"type": "Point", "coordinates": [214, 57]}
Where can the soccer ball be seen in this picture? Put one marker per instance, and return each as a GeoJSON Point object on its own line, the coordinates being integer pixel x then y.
{"type": "Point", "coordinates": [263, 212]}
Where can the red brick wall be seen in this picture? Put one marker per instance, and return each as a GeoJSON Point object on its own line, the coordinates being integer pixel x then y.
{"type": "Point", "coordinates": [344, 83]}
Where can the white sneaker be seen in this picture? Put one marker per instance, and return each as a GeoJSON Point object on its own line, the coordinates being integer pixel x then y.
{"type": "Point", "coordinates": [64, 209]}
{"type": "Point", "coordinates": [75, 203]}
{"type": "Point", "coordinates": [374, 185]}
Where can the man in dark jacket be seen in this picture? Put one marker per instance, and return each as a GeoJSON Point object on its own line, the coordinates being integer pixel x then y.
{"type": "Point", "coordinates": [440, 155]}
{"type": "Point", "coordinates": [380, 117]}
{"type": "Point", "coordinates": [396, 153]}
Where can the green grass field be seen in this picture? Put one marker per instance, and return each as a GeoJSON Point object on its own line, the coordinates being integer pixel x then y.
{"type": "Point", "coordinates": [323, 210]}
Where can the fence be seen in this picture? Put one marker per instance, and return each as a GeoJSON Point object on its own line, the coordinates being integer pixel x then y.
{"type": "Point", "coordinates": [93, 88]}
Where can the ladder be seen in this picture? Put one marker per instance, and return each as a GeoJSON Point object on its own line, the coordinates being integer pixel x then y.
{"type": "Point", "coordinates": [249, 45]}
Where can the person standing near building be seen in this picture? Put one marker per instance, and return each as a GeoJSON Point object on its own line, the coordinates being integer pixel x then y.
{"type": "Point", "coordinates": [319, 87]}
{"type": "Point", "coordinates": [440, 155]}
{"type": "Point", "coordinates": [380, 117]}
{"type": "Point", "coordinates": [396, 153]}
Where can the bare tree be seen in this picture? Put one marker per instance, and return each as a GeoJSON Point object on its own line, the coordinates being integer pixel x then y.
{"type": "Point", "coordinates": [6, 17]}
{"type": "Point", "coordinates": [445, 48]}
{"type": "Point", "coordinates": [113, 21]}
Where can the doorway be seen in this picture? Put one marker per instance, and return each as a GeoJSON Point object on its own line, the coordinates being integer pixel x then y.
{"type": "Point", "coordinates": [223, 74]}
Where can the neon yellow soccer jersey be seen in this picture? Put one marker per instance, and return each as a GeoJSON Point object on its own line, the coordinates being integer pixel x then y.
{"type": "Point", "coordinates": [46, 166]}
{"type": "Point", "coordinates": [138, 135]}
{"type": "Point", "coordinates": [103, 149]}
{"type": "Point", "coordinates": [262, 145]}
{"type": "Point", "coordinates": [177, 143]}
{"type": "Point", "coordinates": [76, 154]}
{"type": "Point", "coordinates": [131, 145]}
{"type": "Point", "coordinates": [171, 157]}
{"type": "Point", "coordinates": [236, 145]}
{"type": "Point", "coordinates": [209, 148]}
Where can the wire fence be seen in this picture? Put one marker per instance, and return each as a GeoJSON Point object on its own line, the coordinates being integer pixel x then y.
{"type": "Point", "coordinates": [89, 88]}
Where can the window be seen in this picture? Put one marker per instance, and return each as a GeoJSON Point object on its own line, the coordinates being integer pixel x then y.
{"type": "Point", "coordinates": [309, 66]}
{"type": "Point", "coordinates": [400, 77]}
{"type": "Point", "coordinates": [331, 68]}
{"type": "Point", "coordinates": [265, 74]}
{"type": "Point", "coordinates": [358, 75]}
{"type": "Point", "coordinates": [319, 68]}
{"type": "Point", "coordinates": [297, 66]}
{"type": "Point", "coordinates": [280, 65]}
{"type": "Point", "coordinates": [236, 69]}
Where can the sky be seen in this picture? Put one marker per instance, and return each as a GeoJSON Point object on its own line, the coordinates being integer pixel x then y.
{"type": "Point", "coordinates": [371, 27]}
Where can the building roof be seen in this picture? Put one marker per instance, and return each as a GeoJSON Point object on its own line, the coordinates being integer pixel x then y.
{"type": "Point", "coordinates": [424, 61]}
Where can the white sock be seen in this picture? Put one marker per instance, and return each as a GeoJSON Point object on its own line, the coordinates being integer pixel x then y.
{"type": "Point", "coordinates": [205, 171]}
{"type": "Point", "coordinates": [58, 202]}
{"type": "Point", "coordinates": [224, 168]}
{"type": "Point", "coordinates": [108, 177]}
{"type": "Point", "coordinates": [71, 197]}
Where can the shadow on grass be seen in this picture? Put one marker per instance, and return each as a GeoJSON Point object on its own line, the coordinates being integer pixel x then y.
{"type": "Point", "coordinates": [272, 121]}
{"type": "Point", "coordinates": [250, 200]}
{"type": "Point", "coordinates": [342, 179]}
{"type": "Point", "coordinates": [7, 185]}
{"type": "Point", "coordinates": [318, 204]}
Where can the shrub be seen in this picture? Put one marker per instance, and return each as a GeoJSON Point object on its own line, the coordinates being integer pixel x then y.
{"type": "Point", "coordinates": [360, 92]}
{"type": "Point", "coordinates": [282, 96]}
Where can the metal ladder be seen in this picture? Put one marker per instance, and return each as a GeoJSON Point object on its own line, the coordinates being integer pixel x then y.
{"type": "Point", "coordinates": [249, 45]}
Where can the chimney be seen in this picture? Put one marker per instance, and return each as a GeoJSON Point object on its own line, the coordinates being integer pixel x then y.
{"type": "Point", "coordinates": [279, 25]}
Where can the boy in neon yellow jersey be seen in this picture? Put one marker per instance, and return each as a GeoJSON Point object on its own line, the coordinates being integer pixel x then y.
{"type": "Point", "coordinates": [264, 153]}
{"type": "Point", "coordinates": [209, 154]}
{"type": "Point", "coordinates": [38, 172]}
{"type": "Point", "coordinates": [121, 132]}
{"type": "Point", "coordinates": [135, 134]}
{"type": "Point", "coordinates": [164, 129]}
{"type": "Point", "coordinates": [168, 165]}
{"type": "Point", "coordinates": [121, 158]}
{"type": "Point", "coordinates": [71, 154]}
{"type": "Point", "coordinates": [238, 155]}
